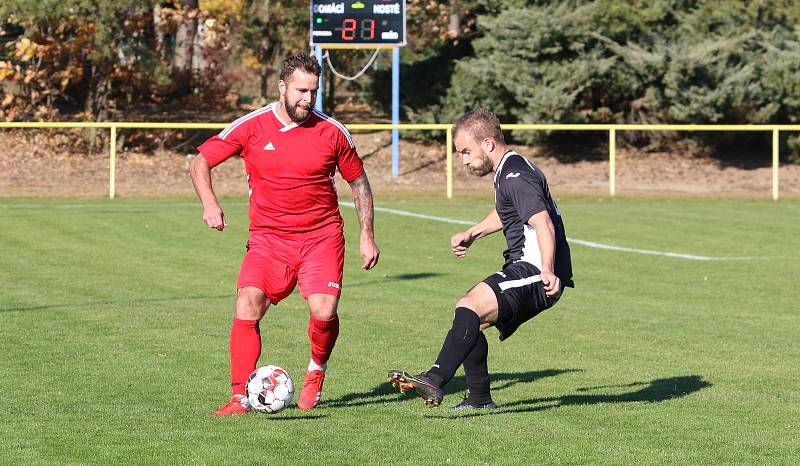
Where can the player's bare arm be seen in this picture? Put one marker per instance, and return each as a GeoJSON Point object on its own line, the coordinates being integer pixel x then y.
{"type": "Point", "coordinates": [461, 241]}
{"type": "Point", "coordinates": [362, 198]}
{"type": "Point", "coordinates": [201, 179]}
{"type": "Point", "coordinates": [546, 237]}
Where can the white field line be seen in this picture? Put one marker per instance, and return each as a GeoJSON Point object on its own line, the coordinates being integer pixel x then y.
{"type": "Point", "coordinates": [588, 244]}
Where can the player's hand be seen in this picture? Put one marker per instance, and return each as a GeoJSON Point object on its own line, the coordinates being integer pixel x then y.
{"type": "Point", "coordinates": [214, 217]}
{"type": "Point", "coordinates": [460, 242]}
{"type": "Point", "coordinates": [369, 252]}
{"type": "Point", "coordinates": [552, 284]}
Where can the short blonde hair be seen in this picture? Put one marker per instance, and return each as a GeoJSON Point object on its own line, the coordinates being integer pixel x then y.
{"type": "Point", "coordinates": [480, 124]}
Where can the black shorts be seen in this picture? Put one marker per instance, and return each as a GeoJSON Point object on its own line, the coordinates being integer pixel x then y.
{"type": "Point", "coordinates": [520, 296]}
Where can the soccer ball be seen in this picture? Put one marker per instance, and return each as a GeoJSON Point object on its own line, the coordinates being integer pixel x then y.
{"type": "Point", "coordinates": [269, 389]}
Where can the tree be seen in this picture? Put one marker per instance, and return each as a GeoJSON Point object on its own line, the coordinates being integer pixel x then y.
{"type": "Point", "coordinates": [63, 57]}
{"type": "Point", "coordinates": [184, 47]}
{"type": "Point", "coordinates": [660, 61]}
{"type": "Point", "coordinates": [268, 31]}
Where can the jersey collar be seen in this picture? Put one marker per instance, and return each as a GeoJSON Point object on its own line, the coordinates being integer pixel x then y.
{"type": "Point", "coordinates": [287, 126]}
{"type": "Point", "coordinates": [502, 161]}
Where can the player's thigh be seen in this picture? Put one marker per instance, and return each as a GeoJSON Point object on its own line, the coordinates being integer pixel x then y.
{"type": "Point", "coordinates": [322, 266]}
{"type": "Point", "coordinates": [268, 266]}
{"type": "Point", "coordinates": [482, 300]}
{"type": "Point", "coordinates": [520, 295]}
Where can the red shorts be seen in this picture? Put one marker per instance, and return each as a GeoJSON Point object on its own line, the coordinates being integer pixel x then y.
{"type": "Point", "coordinates": [275, 264]}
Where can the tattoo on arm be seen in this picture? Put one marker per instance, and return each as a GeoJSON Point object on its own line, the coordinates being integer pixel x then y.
{"type": "Point", "coordinates": [362, 198]}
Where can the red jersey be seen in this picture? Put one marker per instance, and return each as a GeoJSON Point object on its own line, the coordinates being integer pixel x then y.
{"type": "Point", "coordinates": [290, 168]}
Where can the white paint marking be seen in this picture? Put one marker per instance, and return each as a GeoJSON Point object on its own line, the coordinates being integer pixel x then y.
{"type": "Point", "coordinates": [412, 214]}
{"type": "Point", "coordinates": [588, 244]}
{"type": "Point", "coordinates": [592, 244]}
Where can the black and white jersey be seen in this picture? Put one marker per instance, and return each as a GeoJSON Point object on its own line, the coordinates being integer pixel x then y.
{"type": "Point", "coordinates": [520, 192]}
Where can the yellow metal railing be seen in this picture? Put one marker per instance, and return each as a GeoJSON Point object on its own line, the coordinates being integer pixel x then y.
{"type": "Point", "coordinates": [611, 128]}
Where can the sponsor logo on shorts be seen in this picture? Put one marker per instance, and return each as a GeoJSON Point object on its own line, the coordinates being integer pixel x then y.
{"type": "Point", "coordinates": [334, 285]}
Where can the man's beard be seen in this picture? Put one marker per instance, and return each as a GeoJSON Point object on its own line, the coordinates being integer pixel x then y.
{"type": "Point", "coordinates": [295, 112]}
{"type": "Point", "coordinates": [483, 169]}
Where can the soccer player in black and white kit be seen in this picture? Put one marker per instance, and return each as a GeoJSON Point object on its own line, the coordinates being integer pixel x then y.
{"type": "Point", "coordinates": [537, 263]}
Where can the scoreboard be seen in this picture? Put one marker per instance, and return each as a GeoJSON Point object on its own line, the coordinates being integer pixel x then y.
{"type": "Point", "coordinates": [359, 23]}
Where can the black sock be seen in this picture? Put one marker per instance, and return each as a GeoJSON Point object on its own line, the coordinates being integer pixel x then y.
{"type": "Point", "coordinates": [477, 370]}
{"type": "Point", "coordinates": [457, 345]}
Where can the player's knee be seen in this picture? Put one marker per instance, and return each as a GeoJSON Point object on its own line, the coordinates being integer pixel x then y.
{"type": "Point", "coordinates": [323, 311]}
{"type": "Point", "coordinates": [322, 306]}
{"type": "Point", "coordinates": [250, 306]}
{"type": "Point", "coordinates": [466, 302]}
{"type": "Point", "coordinates": [484, 308]}
{"type": "Point", "coordinates": [247, 310]}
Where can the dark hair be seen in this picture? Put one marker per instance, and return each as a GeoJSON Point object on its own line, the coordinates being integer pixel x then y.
{"type": "Point", "coordinates": [479, 123]}
{"type": "Point", "coordinates": [302, 61]}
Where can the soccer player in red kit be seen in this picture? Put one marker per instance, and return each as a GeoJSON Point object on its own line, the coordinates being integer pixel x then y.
{"type": "Point", "coordinates": [291, 152]}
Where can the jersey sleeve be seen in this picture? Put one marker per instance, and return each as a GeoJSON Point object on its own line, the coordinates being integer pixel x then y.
{"type": "Point", "coordinates": [231, 141]}
{"type": "Point", "coordinates": [526, 193]}
{"type": "Point", "coordinates": [348, 161]}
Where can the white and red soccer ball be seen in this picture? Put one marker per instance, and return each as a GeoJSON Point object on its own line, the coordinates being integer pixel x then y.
{"type": "Point", "coordinates": [269, 389]}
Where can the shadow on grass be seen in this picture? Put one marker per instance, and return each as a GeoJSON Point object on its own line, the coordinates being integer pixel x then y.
{"type": "Point", "coordinates": [291, 417]}
{"type": "Point", "coordinates": [123, 212]}
{"type": "Point", "coordinates": [99, 303]}
{"type": "Point", "coordinates": [399, 277]}
{"type": "Point", "coordinates": [654, 391]}
{"type": "Point", "coordinates": [500, 381]}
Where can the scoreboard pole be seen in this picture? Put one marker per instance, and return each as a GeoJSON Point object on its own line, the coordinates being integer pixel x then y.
{"type": "Point", "coordinates": [362, 24]}
{"type": "Point", "coordinates": [395, 110]}
{"type": "Point", "coordinates": [318, 55]}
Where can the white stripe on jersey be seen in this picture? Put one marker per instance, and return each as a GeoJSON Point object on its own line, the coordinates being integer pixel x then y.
{"type": "Point", "coordinates": [225, 132]}
{"type": "Point", "coordinates": [338, 125]}
{"type": "Point", "coordinates": [518, 283]}
{"type": "Point", "coordinates": [530, 249]}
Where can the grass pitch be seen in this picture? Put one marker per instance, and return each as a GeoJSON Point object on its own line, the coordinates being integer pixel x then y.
{"type": "Point", "coordinates": [114, 321]}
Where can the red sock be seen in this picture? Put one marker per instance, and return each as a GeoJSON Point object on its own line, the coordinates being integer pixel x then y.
{"type": "Point", "coordinates": [322, 334]}
{"type": "Point", "coordinates": [245, 348]}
